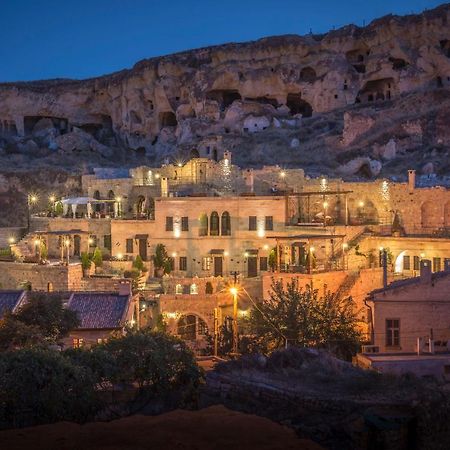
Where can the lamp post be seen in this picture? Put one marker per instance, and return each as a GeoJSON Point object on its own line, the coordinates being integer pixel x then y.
{"type": "Point", "coordinates": [31, 200]}
{"type": "Point", "coordinates": [234, 292]}
{"type": "Point", "coordinates": [325, 210]}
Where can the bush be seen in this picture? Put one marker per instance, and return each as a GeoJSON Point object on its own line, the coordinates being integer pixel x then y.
{"type": "Point", "coordinates": [39, 386]}
{"type": "Point", "coordinates": [139, 264]}
{"type": "Point", "coordinates": [97, 258]}
{"type": "Point", "coordinates": [86, 262]}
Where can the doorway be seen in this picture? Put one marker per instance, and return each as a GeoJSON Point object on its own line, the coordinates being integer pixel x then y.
{"type": "Point", "coordinates": [76, 245]}
{"type": "Point", "coordinates": [218, 266]}
{"type": "Point", "coordinates": [252, 266]}
{"type": "Point", "coordinates": [143, 249]}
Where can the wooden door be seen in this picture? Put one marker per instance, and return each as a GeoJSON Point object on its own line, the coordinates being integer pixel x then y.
{"type": "Point", "coordinates": [143, 249]}
{"type": "Point", "coordinates": [252, 266]}
{"type": "Point", "coordinates": [218, 266]}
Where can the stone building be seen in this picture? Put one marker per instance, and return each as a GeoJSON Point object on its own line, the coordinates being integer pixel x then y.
{"type": "Point", "coordinates": [216, 220]}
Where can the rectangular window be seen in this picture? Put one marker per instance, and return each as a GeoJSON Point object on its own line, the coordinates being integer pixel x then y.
{"type": "Point", "coordinates": [129, 245]}
{"type": "Point", "coordinates": [169, 223]}
{"type": "Point", "coordinates": [263, 264]}
{"type": "Point", "coordinates": [406, 262]}
{"type": "Point", "coordinates": [436, 264]}
{"type": "Point", "coordinates": [446, 263]}
{"type": "Point", "coordinates": [107, 241]}
{"type": "Point", "coordinates": [206, 263]}
{"type": "Point", "coordinates": [77, 342]}
{"type": "Point", "coordinates": [392, 332]}
{"type": "Point", "coordinates": [185, 224]}
{"type": "Point", "coordinates": [183, 262]}
{"type": "Point", "coordinates": [269, 222]}
{"type": "Point", "coordinates": [252, 223]}
{"type": "Point", "coordinates": [416, 263]}
{"type": "Point", "coordinates": [171, 263]}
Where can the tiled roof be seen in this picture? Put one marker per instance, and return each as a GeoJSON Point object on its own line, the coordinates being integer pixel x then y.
{"type": "Point", "coordinates": [9, 300]}
{"type": "Point", "coordinates": [99, 310]}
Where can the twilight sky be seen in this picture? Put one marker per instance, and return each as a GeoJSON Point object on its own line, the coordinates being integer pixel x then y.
{"type": "Point", "coordinates": [83, 38]}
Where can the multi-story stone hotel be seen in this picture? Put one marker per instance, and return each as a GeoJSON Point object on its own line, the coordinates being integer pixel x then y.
{"type": "Point", "coordinates": [218, 222]}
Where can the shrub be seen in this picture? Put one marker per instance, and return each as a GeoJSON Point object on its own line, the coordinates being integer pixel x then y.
{"type": "Point", "coordinates": [139, 264]}
{"type": "Point", "coordinates": [86, 262]}
{"type": "Point", "coordinates": [97, 258]}
{"type": "Point", "coordinates": [39, 386]}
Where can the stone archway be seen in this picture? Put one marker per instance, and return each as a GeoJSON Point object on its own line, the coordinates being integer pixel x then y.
{"type": "Point", "coordinates": [191, 327]}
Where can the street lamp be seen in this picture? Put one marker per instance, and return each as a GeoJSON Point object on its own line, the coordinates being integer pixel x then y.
{"type": "Point", "coordinates": [31, 200]}
{"type": "Point", "coordinates": [234, 293]}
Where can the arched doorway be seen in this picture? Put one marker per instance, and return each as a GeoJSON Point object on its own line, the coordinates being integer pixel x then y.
{"type": "Point", "coordinates": [76, 245]}
{"type": "Point", "coordinates": [111, 198]}
{"type": "Point", "coordinates": [191, 327]}
{"type": "Point", "coordinates": [140, 206]}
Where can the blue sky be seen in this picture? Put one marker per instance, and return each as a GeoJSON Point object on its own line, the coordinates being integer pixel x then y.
{"type": "Point", "coordinates": [79, 38]}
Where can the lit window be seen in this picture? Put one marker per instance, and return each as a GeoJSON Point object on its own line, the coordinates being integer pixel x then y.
{"type": "Point", "coordinates": [206, 263]}
{"type": "Point", "coordinates": [194, 289]}
{"type": "Point", "coordinates": [178, 289]}
{"type": "Point", "coordinates": [77, 342]}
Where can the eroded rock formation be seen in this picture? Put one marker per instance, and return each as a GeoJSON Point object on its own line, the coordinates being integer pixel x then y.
{"type": "Point", "coordinates": [189, 98]}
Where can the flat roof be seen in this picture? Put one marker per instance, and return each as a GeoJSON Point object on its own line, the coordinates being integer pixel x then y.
{"type": "Point", "coordinates": [307, 193]}
{"type": "Point", "coordinates": [309, 236]}
{"type": "Point", "coordinates": [386, 357]}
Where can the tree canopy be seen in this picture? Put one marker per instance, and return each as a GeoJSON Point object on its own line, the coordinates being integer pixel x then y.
{"type": "Point", "coordinates": [41, 320]}
{"type": "Point", "coordinates": [300, 317]}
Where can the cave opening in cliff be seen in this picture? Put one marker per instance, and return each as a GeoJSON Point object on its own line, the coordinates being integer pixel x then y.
{"type": "Point", "coordinates": [194, 153]}
{"type": "Point", "coordinates": [224, 97]}
{"type": "Point", "coordinates": [357, 58]}
{"type": "Point", "coordinates": [445, 47]}
{"type": "Point", "coordinates": [167, 119]}
{"type": "Point", "coordinates": [8, 128]}
{"type": "Point", "coordinates": [30, 122]}
{"type": "Point", "coordinates": [297, 105]}
{"type": "Point", "coordinates": [264, 101]}
{"type": "Point", "coordinates": [398, 63]}
{"type": "Point", "coordinates": [376, 90]}
{"type": "Point", "coordinates": [308, 74]}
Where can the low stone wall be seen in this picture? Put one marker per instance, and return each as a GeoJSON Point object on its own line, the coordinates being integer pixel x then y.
{"type": "Point", "coordinates": [41, 277]}
{"type": "Point", "coordinates": [10, 232]}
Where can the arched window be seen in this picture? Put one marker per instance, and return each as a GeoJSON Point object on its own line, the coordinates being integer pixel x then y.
{"type": "Point", "coordinates": [214, 226]}
{"type": "Point", "coordinates": [194, 289]}
{"type": "Point", "coordinates": [178, 289]}
{"type": "Point", "coordinates": [203, 225]}
{"type": "Point", "coordinates": [97, 197]}
{"type": "Point", "coordinates": [226, 224]}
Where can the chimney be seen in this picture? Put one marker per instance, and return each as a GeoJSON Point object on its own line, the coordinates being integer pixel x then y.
{"type": "Point", "coordinates": [249, 181]}
{"type": "Point", "coordinates": [411, 180]}
{"type": "Point", "coordinates": [124, 287]}
{"type": "Point", "coordinates": [425, 271]}
{"type": "Point", "coordinates": [227, 156]}
{"type": "Point", "coordinates": [164, 187]}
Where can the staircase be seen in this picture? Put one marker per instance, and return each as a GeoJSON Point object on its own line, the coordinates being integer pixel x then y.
{"type": "Point", "coordinates": [346, 286]}
{"type": "Point", "coordinates": [24, 248]}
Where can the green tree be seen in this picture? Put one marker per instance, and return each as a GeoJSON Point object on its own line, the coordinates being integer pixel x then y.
{"type": "Point", "coordinates": [273, 259]}
{"type": "Point", "coordinates": [42, 320]}
{"type": "Point", "coordinates": [97, 258]}
{"type": "Point", "coordinates": [139, 264]}
{"type": "Point", "coordinates": [302, 318]}
{"type": "Point", "coordinates": [41, 386]}
{"type": "Point", "coordinates": [86, 262]}
{"type": "Point", "coordinates": [161, 259]}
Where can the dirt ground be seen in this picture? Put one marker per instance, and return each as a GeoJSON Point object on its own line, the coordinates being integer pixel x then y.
{"type": "Point", "coordinates": [213, 428]}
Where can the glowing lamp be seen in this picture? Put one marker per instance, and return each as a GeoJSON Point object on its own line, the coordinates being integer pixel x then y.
{"type": "Point", "coordinates": [233, 290]}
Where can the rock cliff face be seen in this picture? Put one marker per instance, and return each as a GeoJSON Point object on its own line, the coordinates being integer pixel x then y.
{"type": "Point", "coordinates": [200, 99]}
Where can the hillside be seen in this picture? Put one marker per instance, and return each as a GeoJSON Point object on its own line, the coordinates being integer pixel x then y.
{"type": "Point", "coordinates": [381, 92]}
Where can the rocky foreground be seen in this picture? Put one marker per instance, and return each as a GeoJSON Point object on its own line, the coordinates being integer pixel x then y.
{"type": "Point", "coordinates": [214, 428]}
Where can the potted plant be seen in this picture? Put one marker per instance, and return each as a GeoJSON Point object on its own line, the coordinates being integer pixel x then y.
{"type": "Point", "coordinates": [161, 261]}
{"type": "Point", "coordinates": [86, 263]}
{"type": "Point", "coordinates": [97, 259]}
